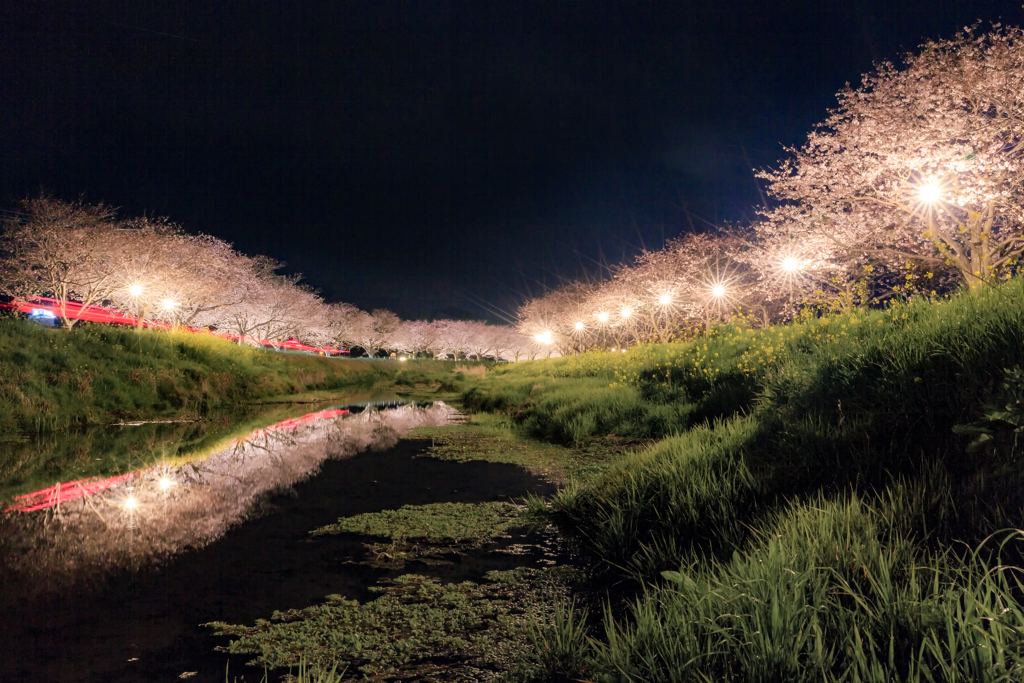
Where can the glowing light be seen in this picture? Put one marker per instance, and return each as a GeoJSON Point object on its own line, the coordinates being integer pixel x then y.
{"type": "Point", "coordinates": [790, 264]}
{"type": "Point", "coordinates": [130, 503]}
{"type": "Point", "coordinates": [603, 317]}
{"type": "Point", "coordinates": [626, 312]}
{"type": "Point", "coordinates": [613, 348]}
{"type": "Point", "coordinates": [135, 290]}
{"type": "Point", "coordinates": [402, 358]}
{"type": "Point", "coordinates": [166, 483]}
{"type": "Point", "coordinates": [579, 326]}
{"type": "Point", "coordinates": [665, 299]}
{"type": "Point", "coordinates": [623, 350]}
{"type": "Point", "coordinates": [718, 291]}
{"type": "Point", "coordinates": [543, 337]}
{"type": "Point", "coordinates": [168, 304]}
{"type": "Point", "coordinates": [930, 193]}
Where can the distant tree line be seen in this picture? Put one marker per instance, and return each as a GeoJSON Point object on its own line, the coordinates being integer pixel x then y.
{"type": "Point", "coordinates": [155, 270]}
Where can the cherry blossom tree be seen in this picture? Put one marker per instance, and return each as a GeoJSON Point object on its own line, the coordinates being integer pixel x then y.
{"type": "Point", "coordinates": [453, 338]}
{"type": "Point", "coordinates": [484, 340]}
{"type": "Point", "coordinates": [62, 249]}
{"type": "Point", "coordinates": [156, 267]}
{"type": "Point", "coordinates": [921, 163]}
{"type": "Point", "coordinates": [561, 318]}
{"type": "Point", "coordinates": [416, 336]}
{"type": "Point", "coordinates": [373, 331]}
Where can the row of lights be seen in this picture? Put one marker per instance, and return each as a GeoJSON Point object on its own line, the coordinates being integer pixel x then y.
{"type": "Point", "coordinates": [168, 304]}
{"type": "Point", "coordinates": [929, 193]}
{"type": "Point", "coordinates": [789, 264]}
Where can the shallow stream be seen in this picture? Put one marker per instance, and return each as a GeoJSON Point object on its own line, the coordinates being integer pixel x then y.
{"type": "Point", "coordinates": [108, 579]}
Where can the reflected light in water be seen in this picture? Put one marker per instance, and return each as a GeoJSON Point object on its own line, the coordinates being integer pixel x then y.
{"type": "Point", "coordinates": [211, 495]}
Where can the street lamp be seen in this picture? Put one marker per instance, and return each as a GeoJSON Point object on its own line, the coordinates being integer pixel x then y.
{"type": "Point", "coordinates": [930, 193]}
{"type": "Point", "coordinates": [790, 265]}
{"type": "Point", "coordinates": [626, 312]}
{"type": "Point", "coordinates": [579, 326]}
{"type": "Point", "coordinates": [603, 317]}
{"type": "Point", "coordinates": [135, 290]}
{"type": "Point", "coordinates": [665, 299]}
{"type": "Point", "coordinates": [718, 291]}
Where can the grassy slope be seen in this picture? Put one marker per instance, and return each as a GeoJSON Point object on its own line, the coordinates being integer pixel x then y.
{"type": "Point", "coordinates": [808, 499]}
{"type": "Point", "coordinates": [53, 379]}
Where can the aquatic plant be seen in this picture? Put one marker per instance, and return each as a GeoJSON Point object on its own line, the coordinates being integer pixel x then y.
{"type": "Point", "coordinates": [416, 628]}
{"type": "Point", "coordinates": [452, 522]}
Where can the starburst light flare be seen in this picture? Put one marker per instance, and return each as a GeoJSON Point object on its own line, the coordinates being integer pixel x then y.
{"type": "Point", "coordinates": [603, 317]}
{"type": "Point", "coordinates": [929, 193]}
{"type": "Point", "coordinates": [626, 312]}
{"type": "Point", "coordinates": [718, 291]}
{"type": "Point", "coordinates": [665, 299]}
{"type": "Point", "coordinates": [135, 290]}
{"type": "Point", "coordinates": [579, 326]}
{"type": "Point", "coordinates": [790, 264]}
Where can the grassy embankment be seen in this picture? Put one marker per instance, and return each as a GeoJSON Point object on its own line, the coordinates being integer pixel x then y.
{"type": "Point", "coordinates": [52, 380]}
{"type": "Point", "coordinates": [56, 385]}
{"type": "Point", "coordinates": [808, 512]}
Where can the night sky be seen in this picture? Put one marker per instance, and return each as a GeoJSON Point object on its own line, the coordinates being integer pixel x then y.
{"type": "Point", "coordinates": [442, 159]}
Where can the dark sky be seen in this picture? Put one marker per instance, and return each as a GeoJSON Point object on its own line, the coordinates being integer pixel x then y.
{"type": "Point", "coordinates": [437, 158]}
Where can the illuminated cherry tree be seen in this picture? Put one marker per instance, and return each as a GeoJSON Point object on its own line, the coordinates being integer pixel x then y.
{"type": "Point", "coordinates": [560, 321]}
{"type": "Point", "coordinates": [65, 250]}
{"type": "Point", "coordinates": [921, 163]}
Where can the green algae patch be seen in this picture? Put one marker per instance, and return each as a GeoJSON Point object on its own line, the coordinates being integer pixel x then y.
{"type": "Point", "coordinates": [428, 533]}
{"type": "Point", "coordinates": [418, 628]}
{"type": "Point", "coordinates": [493, 439]}
{"type": "Point", "coordinates": [448, 522]}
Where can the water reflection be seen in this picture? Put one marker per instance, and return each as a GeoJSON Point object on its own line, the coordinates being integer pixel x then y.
{"type": "Point", "coordinates": [151, 514]}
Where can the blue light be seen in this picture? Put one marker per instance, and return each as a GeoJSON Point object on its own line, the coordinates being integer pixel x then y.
{"type": "Point", "coordinates": [42, 313]}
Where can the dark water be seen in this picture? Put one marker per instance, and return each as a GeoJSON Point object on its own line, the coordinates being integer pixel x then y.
{"type": "Point", "coordinates": [137, 619]}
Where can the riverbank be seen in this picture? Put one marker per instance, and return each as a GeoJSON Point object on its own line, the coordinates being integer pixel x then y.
{"type": "Point", "coordinates": [822, 501]}
{"type": "Point", "coordinates": [54, 380]}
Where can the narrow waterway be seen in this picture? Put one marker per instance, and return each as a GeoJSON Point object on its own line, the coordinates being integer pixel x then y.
{"type": "Point", "coordinates": [113, 583]}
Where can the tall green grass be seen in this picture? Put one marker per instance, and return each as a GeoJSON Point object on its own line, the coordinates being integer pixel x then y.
{"type": "Point", "coordinates": [51, 380]}
{"type": "Point", "coordinates": [827, 592]}
{"type": "Point", "coordinates": [925, 359]}
{"type": "Point", "coordinates": [745, 526]}
{"type": "Point", "coordinates": [850, 401]}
